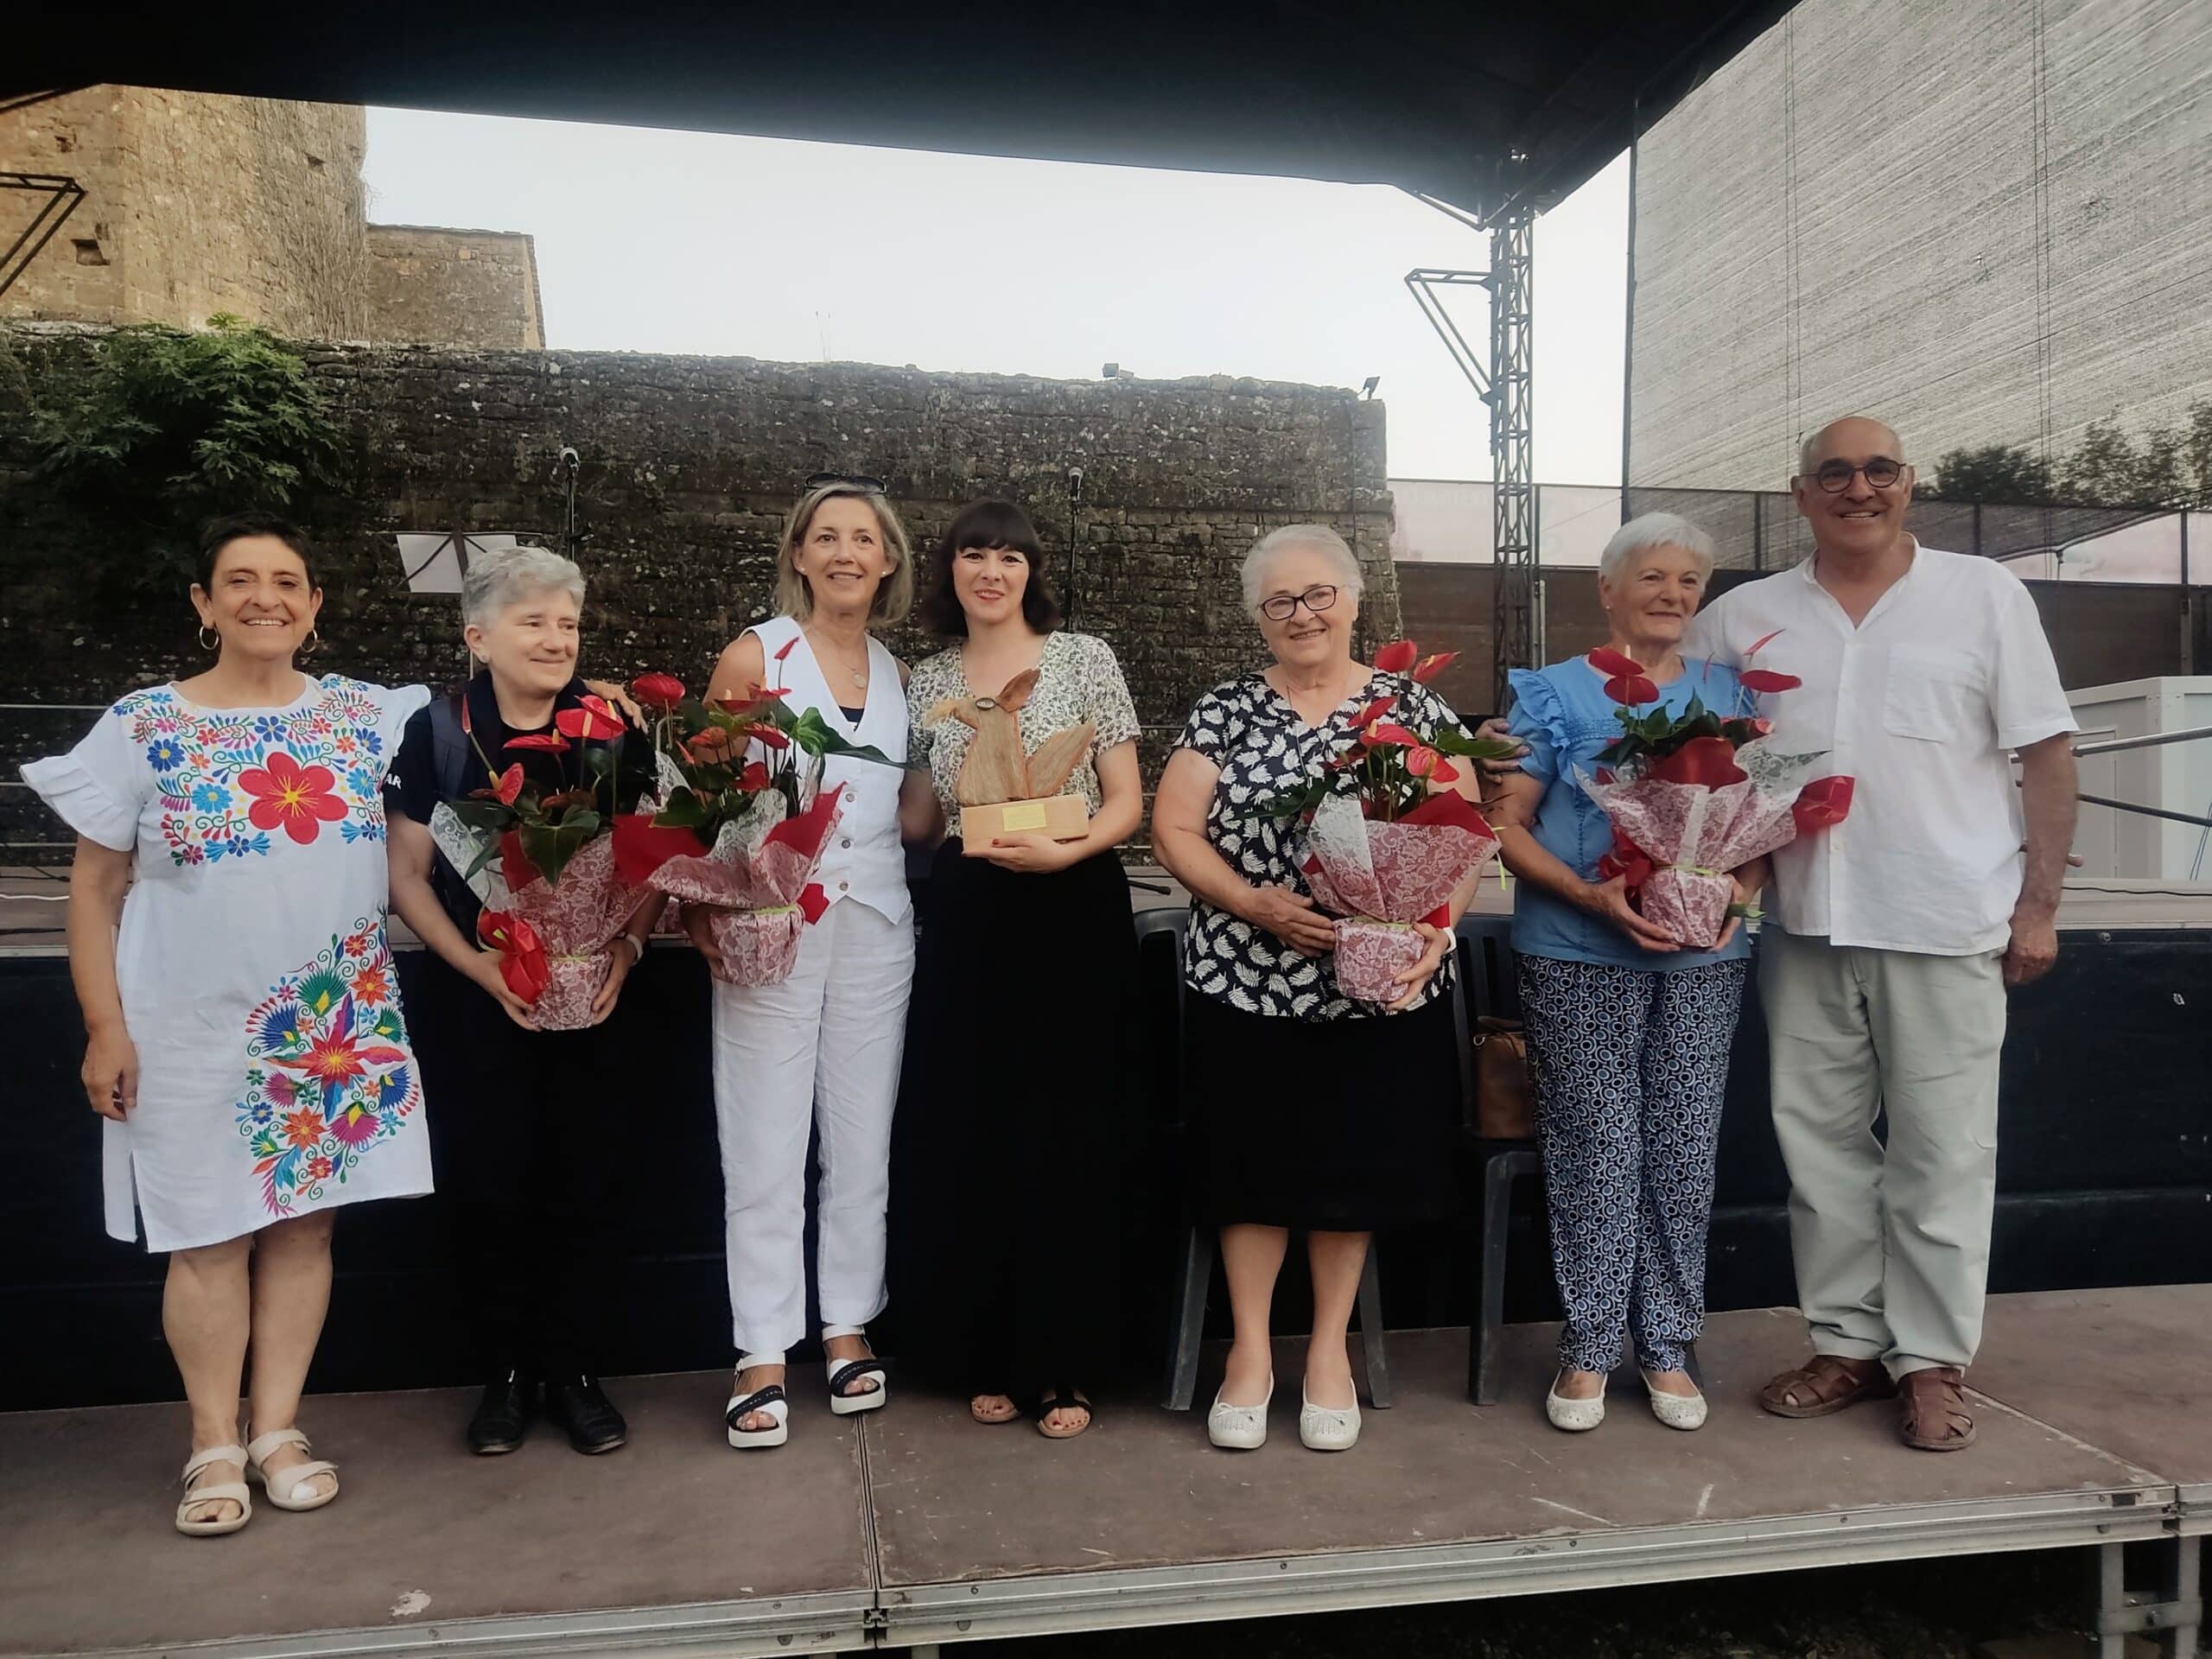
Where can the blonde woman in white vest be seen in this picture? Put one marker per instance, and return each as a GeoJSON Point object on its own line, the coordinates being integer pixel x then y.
{"type": "Point", "coordinates": [821, 1049]}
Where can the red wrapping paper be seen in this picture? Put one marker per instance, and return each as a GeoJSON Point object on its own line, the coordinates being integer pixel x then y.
{"type": "Point", "coordinates": [1379, 879]}
{"type": "Point", "coordinates": [758, 879]}
{"type": "Point", "coordinates": [575, 920]}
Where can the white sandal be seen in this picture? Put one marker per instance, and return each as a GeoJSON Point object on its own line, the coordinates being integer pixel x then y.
{"type": "Point", "coordinates": [214, 1491]}
{"type": "Point", "coordinates": [282, 1485]}
{"type": "Point", "coordinates": [770, 1402]}
{"type": "Point", "coordinates": [843, 1373]}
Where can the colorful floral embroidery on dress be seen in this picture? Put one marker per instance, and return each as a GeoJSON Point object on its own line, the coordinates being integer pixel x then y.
{"type": "Point", "coordinates": [229, 784]}
{"type": "Point", "coordinates": [329, 1075]}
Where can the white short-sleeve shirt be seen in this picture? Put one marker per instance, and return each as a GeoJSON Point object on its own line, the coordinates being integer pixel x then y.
{"type": "Point", "coordinates": [1922, 704]}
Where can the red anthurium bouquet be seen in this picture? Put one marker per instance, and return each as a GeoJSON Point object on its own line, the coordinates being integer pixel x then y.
{"type": "Point", "coordinates": [742, 819]}
{"type": "Point", "coordinates": [1697, 795]}
{"type": "Point", "coordinates": [542, 858]}
{"type": "Point", "coordinates": [1389, 842]}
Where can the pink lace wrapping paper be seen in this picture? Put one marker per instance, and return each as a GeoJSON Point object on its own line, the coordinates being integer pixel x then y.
{"type": "Point", "coordinates": [1695, 835]}
{"type": "Point", "coordinates": [753, 885]}
{"type": "Point", "coordinates": [1379, 879]}
{"type": "Point", "coordinates": [577, 919]}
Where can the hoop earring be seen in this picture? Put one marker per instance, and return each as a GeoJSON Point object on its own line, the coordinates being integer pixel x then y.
{"type": "Point", "coordinates": [311, 643]}
{"type": "Point", "coordinates": [206, 643]}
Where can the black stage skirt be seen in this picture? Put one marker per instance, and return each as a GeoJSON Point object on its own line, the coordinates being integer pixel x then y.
{"type": "Point", "coordinates": [1012, 1114]}
{"type": "Point", "coordinates": [1337, 1125]}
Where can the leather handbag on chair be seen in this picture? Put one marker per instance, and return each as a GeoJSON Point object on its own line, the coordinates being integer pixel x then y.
{"type": "Point", "coordinates": [1505, 1102]}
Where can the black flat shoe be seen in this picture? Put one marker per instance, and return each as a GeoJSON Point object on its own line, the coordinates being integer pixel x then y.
{"type": "Point", "coordinates": [579, 1405]}
{"type": "Point", "coordinates": [502, 1416]}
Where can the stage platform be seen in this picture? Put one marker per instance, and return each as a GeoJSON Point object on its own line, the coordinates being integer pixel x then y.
{"type": "Point", "coordinates": [914, 1525]}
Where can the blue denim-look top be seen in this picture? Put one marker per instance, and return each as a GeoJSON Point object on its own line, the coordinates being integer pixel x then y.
{"type": "Point", "coordinates": [1565, 717]}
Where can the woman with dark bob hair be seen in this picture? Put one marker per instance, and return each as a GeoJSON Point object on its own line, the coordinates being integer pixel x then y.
{"type": "Point", "coordinates": [1006, 1206]}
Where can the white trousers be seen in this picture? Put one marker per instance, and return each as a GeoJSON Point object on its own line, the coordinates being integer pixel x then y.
{"type": "Point", "coordinates": [820, 1050]}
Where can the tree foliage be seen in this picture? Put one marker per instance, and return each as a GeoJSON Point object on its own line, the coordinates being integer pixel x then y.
{"type": "Point", "coordinates": [2168, 465]}
{"type": "Point", "coordinates": [171, 427]}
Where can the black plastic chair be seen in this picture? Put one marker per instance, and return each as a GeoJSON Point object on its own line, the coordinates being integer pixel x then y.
{"type": "Point", "coordinates": [1197, 1249]}
{"type": "Point", "coordinates": [1492, 987]}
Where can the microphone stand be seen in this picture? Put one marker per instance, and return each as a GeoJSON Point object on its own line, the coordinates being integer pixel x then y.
{"type": "Point", "coordinates": [1075, 541]}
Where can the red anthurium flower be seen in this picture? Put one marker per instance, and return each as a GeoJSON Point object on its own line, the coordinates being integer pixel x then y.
{"type": "Point", "coordinates": [591, 720]}
{"type": "Point", "coordinates": [504, 787]}
{"type": "Point", "coordinates": [787, 651]}
{"type": "Point", "coordinates": [551, 743]}
{"type": "Point", "coordinates": [1614, 665]}
{"type": "Point", "coordinates": [1765, 679]}
{"type": "Point", "coordinates": [772, 737]}
{"type": "Point", "coordinates": [1397, 657]}
{"type": "Point", "coordinates": [1709, 761]}
{"type": "Point", "coordinates": [712, 742]}
{"type": "Point", "coordinates": [753, 778]}
{"type": "Point", "coordinates": [1424, 762]}
{"type": "Point", "coordinates": [1373, 712]}
{"type": "Point", "coordinates": [661, 692]}
{"type": "Point", "coordinates": [297, 799]}
{"type": "Point", "coordinates": [1763, 727]}
{"type": "Point", "coordinates": [1386, 734]}
{"type": "Point", "coordinates": [522, 954]}
{"type": "Point", "coordinates": [1761, 644]}
{"type": "Point", "coordinates": [1632, 690]}
{"type": "Point", "coordinates": [1429, 667]}
{"type": "Point", "coordinates": [1822, 803]}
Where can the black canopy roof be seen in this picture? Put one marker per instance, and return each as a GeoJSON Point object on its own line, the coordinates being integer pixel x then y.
{"type": "Point", "coordinates": [1478, 103]}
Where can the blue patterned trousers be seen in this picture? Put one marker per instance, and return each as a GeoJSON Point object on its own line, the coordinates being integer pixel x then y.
{"type": "Point", "coordinates": [1629, 1068]}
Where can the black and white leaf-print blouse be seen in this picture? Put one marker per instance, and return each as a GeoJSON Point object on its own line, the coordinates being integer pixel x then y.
{"type": "Point", "coordinates": [1249, 729]}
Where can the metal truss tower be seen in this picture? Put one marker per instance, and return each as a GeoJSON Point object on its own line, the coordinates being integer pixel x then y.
{"type": "Point", "coordinates": [1502, 382]}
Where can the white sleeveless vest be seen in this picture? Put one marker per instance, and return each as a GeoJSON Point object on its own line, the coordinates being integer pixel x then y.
{"type": "Point", "coordinates": [864, 860]}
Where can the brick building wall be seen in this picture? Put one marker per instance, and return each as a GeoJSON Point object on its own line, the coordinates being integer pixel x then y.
{"type": "Point", "coordinates": [1986, 221]}
{"type": "Point", "coordinates": [428, 285]}
{"type": "Point", "coordinates": [195, 205]}
{"type": "Point", "coordinates": [687, 465]}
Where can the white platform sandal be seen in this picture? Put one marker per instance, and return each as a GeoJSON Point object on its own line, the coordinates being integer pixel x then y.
{"type": "Point", "coordinates": [770, 1402]}
{"type": "Point", "coordinates": [283, 1485]}
{"type": "Point", "coordinates": [843, 1373]}
{"type": "Point", "coordinates": [1239, 1428]}
{"type": "Point", "coordinates": [214, 1491]}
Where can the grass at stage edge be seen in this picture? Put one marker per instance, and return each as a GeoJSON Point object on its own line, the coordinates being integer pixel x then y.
{"type": "Point", "coordinates": [1912, 1610]}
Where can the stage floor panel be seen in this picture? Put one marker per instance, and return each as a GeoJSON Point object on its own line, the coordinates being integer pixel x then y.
{"type": "Point", "coordinates": [427, 1545]}
{"type": "Point", "coordinates": [1142, 1498]}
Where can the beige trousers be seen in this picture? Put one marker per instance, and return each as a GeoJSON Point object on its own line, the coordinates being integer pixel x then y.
{"type": "Point", "coordinates": [1891, 1246]}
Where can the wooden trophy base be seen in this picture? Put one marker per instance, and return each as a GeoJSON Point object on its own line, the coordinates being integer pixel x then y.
{"type": "Point", "coordinates": [1061, 817]}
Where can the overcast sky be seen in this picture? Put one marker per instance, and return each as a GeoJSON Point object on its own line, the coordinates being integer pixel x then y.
{"type": "Point", "coordinates": [658, 241]}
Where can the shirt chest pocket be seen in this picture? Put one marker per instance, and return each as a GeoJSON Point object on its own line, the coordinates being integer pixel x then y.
{"type": "Point", "coordinates": [1931, 695]}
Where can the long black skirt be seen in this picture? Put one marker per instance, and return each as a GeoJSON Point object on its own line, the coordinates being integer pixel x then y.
{"type": "Point", "coordinates": [1005, 1203]}
{"type": "Point", "coordinates": [1335, 1126]}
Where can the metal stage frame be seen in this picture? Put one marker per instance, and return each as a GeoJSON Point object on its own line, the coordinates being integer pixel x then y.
{"type": "Point", "coordinates": [957, 1539]}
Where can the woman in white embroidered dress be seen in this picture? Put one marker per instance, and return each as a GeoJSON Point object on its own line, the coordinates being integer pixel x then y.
{"type": "Point", "coordinates": [823, 1047]}
{"type": "Point", "coordinates": [245, 1038]}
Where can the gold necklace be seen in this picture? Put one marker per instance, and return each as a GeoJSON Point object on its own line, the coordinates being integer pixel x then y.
{"type": "Point", "coordinates": [859, 674]}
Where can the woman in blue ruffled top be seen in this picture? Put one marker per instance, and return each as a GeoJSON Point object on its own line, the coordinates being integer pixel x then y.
{"type": "Point", "coordinates": [1629, 1033]}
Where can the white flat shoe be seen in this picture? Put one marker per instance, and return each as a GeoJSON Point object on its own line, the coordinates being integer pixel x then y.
{"type": "Point", "coordinates": [770, 1402]}
{"type": "Point", "coordinates": [1324, 1428]}
{"type": "Point", "coordinates": [1239, 1428]}
{"type": "Point", "coordinates": [843, 1373]}
{"type": "Point", "coordinates": [235, 1491]}
{"type": "Point", "coordinates": [284, 1485]}
{"type": "Point", "coordinates": [1574, 1417]}
{"type": "Point", "coordinates": [1682, 1411]}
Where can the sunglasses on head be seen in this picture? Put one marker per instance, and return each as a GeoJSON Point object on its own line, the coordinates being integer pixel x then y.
{"type": "Point", "coordinates": [848, 481]}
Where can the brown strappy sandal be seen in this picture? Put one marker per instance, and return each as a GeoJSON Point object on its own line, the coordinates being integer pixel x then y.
{"type": "Point", "coordinates": [1932, 1414]}
{"type": "Point", "coordinates": [1826, 1383]}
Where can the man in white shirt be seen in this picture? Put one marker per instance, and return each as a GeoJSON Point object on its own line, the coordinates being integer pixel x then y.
{"type": "Point", "coordinates": [1896, 934]}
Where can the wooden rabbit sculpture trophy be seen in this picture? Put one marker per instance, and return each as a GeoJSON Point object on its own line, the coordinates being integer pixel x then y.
{"type": "Point", "coordinates": [1001, 787]}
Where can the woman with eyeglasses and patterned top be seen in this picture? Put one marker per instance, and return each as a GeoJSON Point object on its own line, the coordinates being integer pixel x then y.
{"type": "Point", "coordinates": [821, 1049]}
{"type": "Point", "coordinates": [1315, 1112]}
{"type": "Point", "coordinates": [1008, 1213]}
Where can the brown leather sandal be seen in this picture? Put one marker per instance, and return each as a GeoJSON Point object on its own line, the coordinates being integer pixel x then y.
{"type": "Point", "coordinates": [1826, 1383]}
{"type": "Point", "coordinates": [1932, 1413]}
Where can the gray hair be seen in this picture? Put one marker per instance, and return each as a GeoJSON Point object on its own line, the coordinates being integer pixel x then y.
{"type": "Point", "coordinates": [1320, 537]}
{"type": "Point", "coordinates": [1649, 530]}
{"type": "Point", "coordinates": [495, 581]}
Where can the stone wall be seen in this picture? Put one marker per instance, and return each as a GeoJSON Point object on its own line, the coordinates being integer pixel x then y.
{"type": "Point", "coordinates": [1985, 222]}
{"type": "Point", "coordinates": [687, 465]}
{"type": "Point", "coordinates": [432, 286]}
{"type": "Point", "coordinates": [195, 205]}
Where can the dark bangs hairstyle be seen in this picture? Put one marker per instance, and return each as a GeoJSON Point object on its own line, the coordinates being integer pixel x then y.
{"type": "Point", "coordinates": [220, 533]}
{"type": "Point", "coordinates": [991, 524]}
